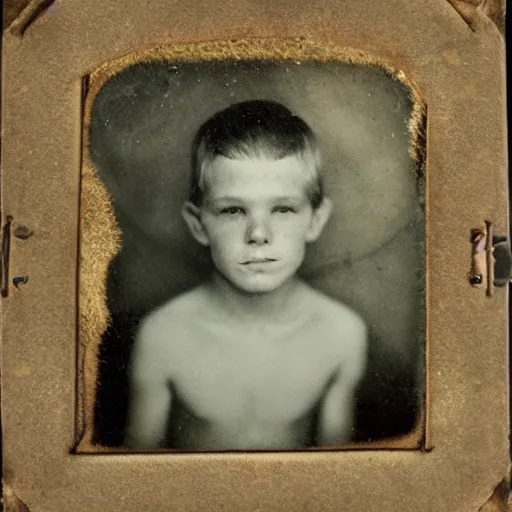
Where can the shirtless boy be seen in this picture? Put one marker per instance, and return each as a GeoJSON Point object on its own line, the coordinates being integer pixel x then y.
{"type": "Point", "coordinates": [253, 359]}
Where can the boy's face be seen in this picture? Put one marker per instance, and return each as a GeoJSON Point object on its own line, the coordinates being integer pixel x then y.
{"type": "Point", "coordinates": [256, 218]}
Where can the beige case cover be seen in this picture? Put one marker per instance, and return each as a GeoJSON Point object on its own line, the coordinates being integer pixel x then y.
{"type": "Point", "coordinates": [453, 51]}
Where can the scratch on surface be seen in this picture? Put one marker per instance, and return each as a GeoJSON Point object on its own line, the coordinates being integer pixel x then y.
{"type": "Point", "coordinates": [498, 500]}
{"type": "Point", "coordinates": [33, 10]}
{"type": "Point", "coordinates": [11, 502]}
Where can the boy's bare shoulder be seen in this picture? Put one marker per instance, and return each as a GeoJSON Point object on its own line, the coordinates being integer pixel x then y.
{"type": "Point", "coordinates": [172, 319]}
{"type": "Point", "coordinates": [340, 322]}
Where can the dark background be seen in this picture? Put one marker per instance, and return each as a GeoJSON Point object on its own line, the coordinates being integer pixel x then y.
{"type": "Point", "coordinates": [370, 256]}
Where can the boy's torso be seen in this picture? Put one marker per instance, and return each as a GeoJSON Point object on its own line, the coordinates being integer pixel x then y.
{"type": "Point", "coordinates": [252, 386]}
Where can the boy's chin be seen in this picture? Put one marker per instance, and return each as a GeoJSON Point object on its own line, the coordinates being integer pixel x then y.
{"type": "Point", "coordinates": [259, 285]}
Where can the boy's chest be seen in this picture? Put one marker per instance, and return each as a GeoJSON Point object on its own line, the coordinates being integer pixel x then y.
{"type": "Point", "coordinates": [270, 382]}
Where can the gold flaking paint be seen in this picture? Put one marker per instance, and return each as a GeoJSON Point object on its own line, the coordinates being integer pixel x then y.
{"type": "Point", "coordinates": [100, 236]}
{"type": "Point", "coordinates": [99, 242]}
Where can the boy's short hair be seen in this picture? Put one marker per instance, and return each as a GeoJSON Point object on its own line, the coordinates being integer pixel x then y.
{"type": "Point", "coordinates": [255, 129]}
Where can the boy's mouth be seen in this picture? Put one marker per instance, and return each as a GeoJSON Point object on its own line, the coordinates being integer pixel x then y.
{"type": "Point", "coordinates": [258, 260]}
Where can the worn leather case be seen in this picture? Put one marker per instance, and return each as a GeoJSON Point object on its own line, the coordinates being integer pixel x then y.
{"type": "Point", "coordinates": [55, 255]}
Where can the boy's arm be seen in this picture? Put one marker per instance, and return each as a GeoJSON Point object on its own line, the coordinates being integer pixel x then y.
{"type": "Point", "coordinates": [150, 392]}
{"type": "Point", "coordinates": [336, 419]}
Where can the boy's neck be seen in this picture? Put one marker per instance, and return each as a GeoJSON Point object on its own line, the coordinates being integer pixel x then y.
{"type": "Point", "coordinates": [270, 306]}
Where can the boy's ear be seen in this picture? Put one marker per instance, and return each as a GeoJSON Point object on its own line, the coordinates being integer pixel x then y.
{"type": "Point", "coordinates": [319, 219]}
{"type": "Point", "coordinates": [192, 217]}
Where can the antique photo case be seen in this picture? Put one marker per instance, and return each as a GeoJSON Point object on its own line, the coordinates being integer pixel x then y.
{"type": "Point", "coordinates": [239, 252]}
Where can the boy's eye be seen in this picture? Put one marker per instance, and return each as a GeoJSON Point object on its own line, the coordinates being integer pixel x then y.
{"type": "Point", "coordinates": [232, 210]}
{"type": "Point", "coordinates": [284, 209]}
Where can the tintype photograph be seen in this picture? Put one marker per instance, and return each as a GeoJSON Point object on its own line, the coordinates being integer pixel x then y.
{"type": "Point", "coordinates": [268, 293]}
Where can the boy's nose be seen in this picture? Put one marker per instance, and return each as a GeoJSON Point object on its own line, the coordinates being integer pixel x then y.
{"type": "Point", "coordinates": [259, 232]}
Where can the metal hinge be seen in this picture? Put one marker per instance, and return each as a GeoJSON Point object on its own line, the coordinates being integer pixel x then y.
{"type": "Point", "coordinates": [491, 259]}
{"type": "Point", "coordinates": [22, 233]}
{"type": "Point", "coordinates": [5, 256]}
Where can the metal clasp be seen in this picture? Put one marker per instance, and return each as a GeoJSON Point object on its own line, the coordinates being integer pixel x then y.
{"type": "Point", "coordinates": [491, 259]}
